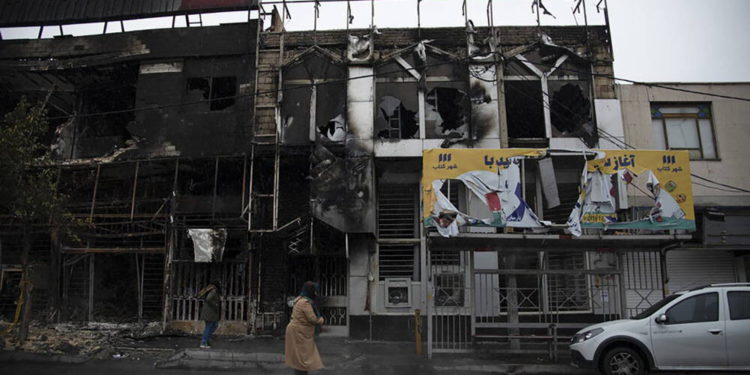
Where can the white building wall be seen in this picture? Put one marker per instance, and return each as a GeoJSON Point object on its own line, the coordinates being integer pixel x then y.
{"type": "Point", "coordinates": [731, 124]}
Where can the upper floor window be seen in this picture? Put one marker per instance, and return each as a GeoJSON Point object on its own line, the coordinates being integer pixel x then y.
{"type": "Point", "coordinates": [684, 127]}
{"type": "Point", "coordinates": [218, 91]}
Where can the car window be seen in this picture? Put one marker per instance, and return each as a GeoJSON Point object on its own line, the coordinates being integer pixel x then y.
{"type": "Point", "coordinates": [646, 313]}
{"type": "Point", "coordinates": [739, 305]}
{"type": "Point", "coordinates": [700, 308]}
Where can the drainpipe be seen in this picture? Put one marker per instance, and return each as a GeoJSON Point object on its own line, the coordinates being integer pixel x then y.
{"type": "Point", "coordinates": [663, 261]}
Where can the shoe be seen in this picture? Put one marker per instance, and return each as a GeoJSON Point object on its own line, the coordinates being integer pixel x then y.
{"type": "Point", "coordinates": [205, 346]}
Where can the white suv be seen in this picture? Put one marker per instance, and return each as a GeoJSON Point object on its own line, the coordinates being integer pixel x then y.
{"type": "Point", "coordinates": [707, 328]}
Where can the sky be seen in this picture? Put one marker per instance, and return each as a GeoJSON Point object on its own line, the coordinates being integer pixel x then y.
{"type": "Point", "coordinates": [653, 40]}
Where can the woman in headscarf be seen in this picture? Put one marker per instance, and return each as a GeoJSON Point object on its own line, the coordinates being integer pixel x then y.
{"type": "Point", "coordinates": [211, 312]}
{"type": "Point", "coordinates": [301, 352]}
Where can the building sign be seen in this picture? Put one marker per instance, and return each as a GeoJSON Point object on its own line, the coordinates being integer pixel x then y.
{"type": "Point", "coordinates": [494, 177]}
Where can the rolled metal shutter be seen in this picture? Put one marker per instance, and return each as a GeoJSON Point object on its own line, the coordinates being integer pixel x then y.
{"type": "Point", "coordinates": [687, 269]}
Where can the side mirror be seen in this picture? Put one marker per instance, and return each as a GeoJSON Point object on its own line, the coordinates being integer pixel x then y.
{"type": "Point", "coordinates": [661, 319]}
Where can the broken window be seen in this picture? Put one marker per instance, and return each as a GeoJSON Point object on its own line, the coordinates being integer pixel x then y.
{"type": "Point", "coordinates": [523, 103]}
{"type": "Point", "coordinates": [397, 111]}
{"type": "Point", "coordinates": [103, 127]}
{"type": "Point", "coordinates": [548, 96]}
{"type": "Point", "coordinates": [446, 113]}
{"type": "Point", "coordinates": [219, 92]}
{"type": "Point", "coordinates": [394, 120]}
{"type": "Point", "coordinates": [313, 104]}
{"type": "Point", "coordinates": [447, 104]}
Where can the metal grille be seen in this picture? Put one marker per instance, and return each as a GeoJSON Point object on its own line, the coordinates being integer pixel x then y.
{"type": "Point", "coordinates": [643, 280]}
{"type": "Point", "coordinates": [334, 316]}
{"type": "Point", "coordinates": [568, 292]}
{"type": "Point", "coordinates": [189, 278]}
{"type": "Point", "coordinates": [397, 211]}
{"type": "Point", "coordinates": [396, 260]}
{"type": "Point", "coordinates": [333, 276]}
{"type": "Point", "coordinates": [397, 220]}
{"type": "Point", "coordinates": [450, 322]}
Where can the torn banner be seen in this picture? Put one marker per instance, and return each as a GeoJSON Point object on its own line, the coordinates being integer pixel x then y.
{"type": "Point", "coordinates": [673, 201]}
{"type": "Point", "coordinates": [208, 244]}
{"type": "Point", "coordinates": [491, 175]}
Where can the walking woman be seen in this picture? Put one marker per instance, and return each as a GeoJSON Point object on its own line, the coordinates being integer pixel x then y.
{"type": "Point", "coordinates": [301, 352]}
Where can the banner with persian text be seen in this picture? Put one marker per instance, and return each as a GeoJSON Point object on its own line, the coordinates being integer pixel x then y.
{"type": "Point", "coordinates": [494, 176]}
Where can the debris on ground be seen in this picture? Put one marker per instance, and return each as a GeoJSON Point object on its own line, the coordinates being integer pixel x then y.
{"type": "Point", "coordinates": [92, 340]}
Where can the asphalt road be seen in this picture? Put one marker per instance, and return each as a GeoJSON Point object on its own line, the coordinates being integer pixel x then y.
{"type": "Point", "coordinates": [131, 367]}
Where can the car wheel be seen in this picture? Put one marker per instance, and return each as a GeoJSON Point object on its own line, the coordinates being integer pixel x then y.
{"type": "Point", "coordinates": [623, 361]}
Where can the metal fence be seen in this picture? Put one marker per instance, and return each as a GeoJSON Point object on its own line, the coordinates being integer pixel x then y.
{"type": "Point", "coordinates": [532, 297]}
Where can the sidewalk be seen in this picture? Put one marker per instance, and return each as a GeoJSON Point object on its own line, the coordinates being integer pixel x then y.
{"type": "Point", "coordinates": [351, 357]}
{"type": "Point", "coordinates": [341, 356]}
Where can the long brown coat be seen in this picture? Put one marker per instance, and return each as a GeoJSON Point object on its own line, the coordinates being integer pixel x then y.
{"type": "Point", "coordinates": [301, 351]}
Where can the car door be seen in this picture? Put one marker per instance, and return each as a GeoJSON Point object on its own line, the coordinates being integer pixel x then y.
{"type": "Point", "coordinates": [692, 335]}
{"type": "Point", "coordinates": [738, 328]}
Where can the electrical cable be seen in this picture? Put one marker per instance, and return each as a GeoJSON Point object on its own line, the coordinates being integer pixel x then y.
{"type": "Point", "coordinates": [611, 138]}
{"type": "Point", "coordinates": [608, 136]}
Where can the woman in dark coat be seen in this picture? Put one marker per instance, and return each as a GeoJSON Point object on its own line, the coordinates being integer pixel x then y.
{"type": "Point", "coordinates": [301, 352]}
{"type": "Point", "coordinates": [211, 312]}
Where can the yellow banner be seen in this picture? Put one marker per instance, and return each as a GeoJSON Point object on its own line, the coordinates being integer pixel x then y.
{"type": "Point", "coordinates": [443, 164]}
{"type": "Point", "coordinates": [671, 168]}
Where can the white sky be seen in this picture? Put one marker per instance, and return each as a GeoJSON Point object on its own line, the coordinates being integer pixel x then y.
{"type": "Point", "coordinates": [654, 40]}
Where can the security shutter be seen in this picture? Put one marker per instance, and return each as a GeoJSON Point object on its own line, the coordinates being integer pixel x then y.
{"type": "Point", "coordinates": [690, 269]}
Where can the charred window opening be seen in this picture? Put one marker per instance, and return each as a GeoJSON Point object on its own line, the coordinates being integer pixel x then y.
{"type": "Point", "coordinates": [567, 178]}
{"type": "Point", "coordinates": [523, 103]}
{"type": "Point", "coordinates": [570, 108]}
{"type": "Point", "coordinates": [103, 126]}
{"type": "Point", "coordinates": [262, 193]}
{"type": "Point", "coordinates": [196, 177]}
{"type": "Point", "coordinates": [546, 98]}
{"type": "Point", "coordinates": [313, 104]}
{"type": "Point", "coordinates": [155, 183]}
{"type": "Point", "coordinates": [341, 189]}
{"type": "Point", "coordinates": [397, 111]}
{"type": "Point", "coordinates": [399, 121]}
{"type": "Point", "coordinates": [220, 92]}
{"type": "Point", "coordinates": [446, 114]}
{"type": "Point", "coordinates": [570, 111]}
{"type": "Point", "coordinates": [447, 103]}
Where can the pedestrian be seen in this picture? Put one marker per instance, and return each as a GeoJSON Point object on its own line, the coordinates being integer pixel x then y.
{"type": "Point", "coordinates": [211, 312]}
{"type": "Point", "coordinates": [301, 352]}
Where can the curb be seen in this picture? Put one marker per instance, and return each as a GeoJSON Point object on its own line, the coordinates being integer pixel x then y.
{"type": "Point", "coordinates": [36, 357]}
{"type": "Point", "coordinates": [516, 369]}
{"type": "Point", "coordinates": [220, 360]}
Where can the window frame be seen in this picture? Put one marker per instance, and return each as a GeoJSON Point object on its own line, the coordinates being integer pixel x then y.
{"type": "Point", "coordinates": [696, 117]}
{"type": "Point", "coordinates": [729, 304]}
{"type": "Point", "coordinates": [211, 101]}
{"type": "Point", "coordinates": [544, 78]}
{"type": "Point", "coordinates": [718, 309]}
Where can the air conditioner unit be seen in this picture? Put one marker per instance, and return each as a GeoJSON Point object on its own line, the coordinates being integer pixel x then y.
{"type": "Point", "coordinates": [397, 292]}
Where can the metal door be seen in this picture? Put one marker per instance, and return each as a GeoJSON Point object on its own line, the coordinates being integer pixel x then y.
{"type": "Point", "coordinates": [449, 300]}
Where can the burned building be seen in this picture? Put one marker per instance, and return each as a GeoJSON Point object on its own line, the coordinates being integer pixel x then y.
{"type": "Point", "coordinates": [266, 158]}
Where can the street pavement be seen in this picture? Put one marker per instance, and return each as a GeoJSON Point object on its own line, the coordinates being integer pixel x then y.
{"type": "Point", "coordinates": [177, 355]}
